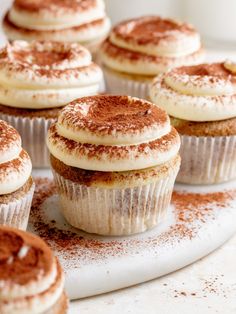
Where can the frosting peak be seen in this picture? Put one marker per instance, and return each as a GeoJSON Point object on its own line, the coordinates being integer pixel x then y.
{"type": "Point", "coordinates": [41, 75]}
{"type": "Point", "coordinates": [15, 164]}
{"type": "Point", "coordinates": [150, 45]}
{"type": "Point", "coordinates": [112, 133]}
{"type": "Point", "coordinates": [204, 92]}
{"type": "Point", "coordinates": [31, 280]}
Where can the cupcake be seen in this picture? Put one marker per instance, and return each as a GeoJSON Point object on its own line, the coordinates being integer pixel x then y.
{"type": "Point", "coordinates": [115, 160]}
{"type": "Point", "coordinates": [82, 21]}
{"type": "Point", "coordinates": [201, 101]}
{"type": "Point", "coordinates": [139, 49]}
{"type": "Point", "coordinates": [38, 78]}
{"type": "Point", "coordinates": [16, 184]}
{"type": "Point", "coordinates": [31, 278]}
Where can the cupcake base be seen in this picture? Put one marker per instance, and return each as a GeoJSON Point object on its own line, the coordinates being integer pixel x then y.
{"type": "Point", "coordinates": [124, 84]}
{"type": "Point", "coordinates": [15, 207]}
{"type": "Point", "coordinates": [117, 209]}
{"type": "Point", "coordinates": [207, 160]}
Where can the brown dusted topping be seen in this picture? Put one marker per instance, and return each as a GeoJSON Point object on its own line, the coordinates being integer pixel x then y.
{"type": "Point", "coordinates": [120, 53]}
{"type": "Point", "coordinates": [23, 257]}
{"type": "Point", "coordinates": [151, 29]}
{"type": "Point", "coordinates": [215, 70]}
{"type": "Point", "coordinates": [99, 152]}
{"type": "Point", "coordinates": [78, 248]}
{"type": "Point", "coordinates": [45, 34]}
{"type": "Point", "coordinates": [54, 5]}
{"type": "Point", "coordinates": [8, 137]}
{"type": "Point", "coordinates": [104, 114]}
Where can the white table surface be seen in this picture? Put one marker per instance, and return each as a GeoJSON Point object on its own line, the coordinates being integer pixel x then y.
{"type": "Point", "coordinates": [207, 286]}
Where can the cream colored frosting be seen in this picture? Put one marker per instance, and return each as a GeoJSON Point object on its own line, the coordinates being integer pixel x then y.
{"type": "Point", "coordinates": [131, 49]}
{"type": "Point", "coordinates": [57, 18]}
{"type": "Point", "coordinates": [96, 147]}
{"type": "Point", "coordinates": [26, 82]}
{"type": "Point", "coordinates": [15, 164]}
{"type": "Point", "coordinates": [58, 22]}
{"type": "Point", "coordinates": [35, 298]}
{"type": "Point", "coordinates": [197, 97]}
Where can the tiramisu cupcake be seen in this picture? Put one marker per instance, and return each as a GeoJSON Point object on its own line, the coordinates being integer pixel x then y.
{"type": "Point", "coordinates": [31, 278]}
{"type": "Point", "coordinates": [139, 49]}
{"type": "Point", "coordinates": [82, 21]}
{"type": "Point", "coordinates": [115, 160]}
{"type": "Point", "coordinates": [16, 184]}
{"type": "Point", "coordinates": [202, 103]}
{"type": "Point", "coordinates": [38, 78]}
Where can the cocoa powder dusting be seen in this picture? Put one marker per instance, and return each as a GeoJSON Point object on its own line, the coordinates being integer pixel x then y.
{"type": "Point", "coordinates": [54, 5]}
{"type": "Point", "coordinates": [79, 248]}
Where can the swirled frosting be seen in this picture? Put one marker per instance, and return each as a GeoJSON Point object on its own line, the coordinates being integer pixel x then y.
{"type": "Point", "coordinates": [31, 279]}
{"type": "Point", "coordinates": [15, 164]}
{"type": "Point", "coordinates": [82, 21]}
{"type": "Point", "coordinates": [112, 133]}
{"type": "Point", "coordinates": [49, 74]}
{"type": "Point", "coordinates": [150, 45]}
{"type": "Point", "coordinates": [205, 92]}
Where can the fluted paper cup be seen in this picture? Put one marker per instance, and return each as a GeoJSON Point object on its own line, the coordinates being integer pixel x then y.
{"type": "Point", "coordinates": [33, 133]}
{"type": "Point", "coordinates": [110, 211]}
{"type": "Point", "coordinates": [207, 160]}
{"type": "Point", "coordinates": [16, 213]}
{"type": "Point", "coordinates": [119, 84]}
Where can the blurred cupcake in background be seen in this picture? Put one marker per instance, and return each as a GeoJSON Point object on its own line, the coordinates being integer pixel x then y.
{"type": "Point", "coordinates": [38, 78]}
{"type": "Point", "coordinates": [140, 48]}
{"type": "Point", "coordinates": [16, 184]}
{"type": "Point", "coordinates": [201, 101]}
{"type": "Point", "coordinates": [82, 21]}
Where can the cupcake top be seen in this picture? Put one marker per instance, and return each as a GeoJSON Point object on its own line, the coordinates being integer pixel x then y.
{"type": "Point", "coordinates": [31, 279]}
{"type": "Point", "coordinates": [75, 21]}
{"type": "Point", "coordinates": [150, 45]}
{"type": "Point", "coordinates": [15, 164]}
{"type": "Point", "coordinates": [205, 92]}
{"type": "Point", "coordinates": [41, 75]}
{"type": "Point", "coordinates": [112, 133]}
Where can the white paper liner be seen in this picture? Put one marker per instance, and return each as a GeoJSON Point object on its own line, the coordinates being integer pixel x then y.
{"type": "Point", "coordinates": [33, 133]}
{"type": "Point", "coordinates": [115, 211]}
{"type": "Point", "coordinates": [207, 160]}
{"type": "Point", "coordinates": [16, 213]}
{"type": "Point", "coordinates": [116, 84]}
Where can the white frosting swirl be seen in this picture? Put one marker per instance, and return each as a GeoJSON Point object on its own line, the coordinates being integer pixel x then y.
{"type": "Point", "coordinates": [46, 74]}
{"type": "Point", "coordinates": [112, 133]}
{"type": "Point", "coordinates": [81, 21]}
{"type": "Point", "coordinates": [15, 164]}
{"type": "Point", "coordinates": [151, 45]}
{"type": "Point", "coordinates": [205, 92]}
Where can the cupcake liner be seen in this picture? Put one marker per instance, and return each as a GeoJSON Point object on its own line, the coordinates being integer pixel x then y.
{"type": "Point", "coordinates": [117, 84]}
{"type": "Point", "coordinates": [110, 211]}
{"type": "Point", "coordinates": [33, 132]}
{"type": "Point", "coordinates": [207, 160]}
{"type": "Point", "coordinates": [16, 213]}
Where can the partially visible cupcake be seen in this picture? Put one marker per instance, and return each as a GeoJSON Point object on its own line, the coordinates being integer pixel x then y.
{"type": "Point", "coordinates": [81, 21]}
{"type": "Point", "coordinates": [16, 184]}
{"type": "Point", "coordinates": [140, 48]}
{"type": "Point", "coordinates": [38, 78]}
{"type": "Point", "coordinates": [31, 278]}
{"type": "Point", "coordinates": [201, 101]}
{"type": "Point", "coordinates": [115, 160]}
